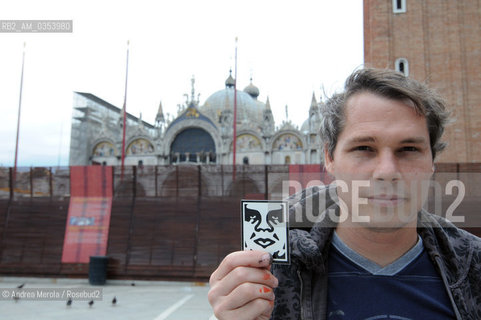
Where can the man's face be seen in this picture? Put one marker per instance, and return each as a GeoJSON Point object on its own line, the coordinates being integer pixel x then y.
{"type": "Point", "coordinates": [265, 227]}
{"type": "Point", "coordinates": [385, 144]}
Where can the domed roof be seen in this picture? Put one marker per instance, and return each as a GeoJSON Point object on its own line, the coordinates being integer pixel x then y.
{"type": "Point", "coordinates": [315, 126]}
{"type": "Point", "coordinates": [305, 126]}
{"type": "Point", "coordinates": [252, 90]}
{"type": "Point", "coordinates": [230, 82]}
{"type": "Point", "coordinates": [248, 110]}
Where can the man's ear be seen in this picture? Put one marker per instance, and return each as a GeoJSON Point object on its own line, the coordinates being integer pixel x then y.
{"type": "Point", "coordinates": [328, 161]}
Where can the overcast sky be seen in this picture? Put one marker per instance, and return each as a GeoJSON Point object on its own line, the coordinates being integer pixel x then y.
{"type": "Point", "coordinates": [290, 48]}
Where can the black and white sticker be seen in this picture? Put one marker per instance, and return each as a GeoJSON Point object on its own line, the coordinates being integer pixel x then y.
{"type": "Point", "coordinates": [265, 227]}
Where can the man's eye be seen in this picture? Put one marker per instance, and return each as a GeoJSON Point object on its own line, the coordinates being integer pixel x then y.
{"type": "Point", "coordinates": [251, 219]}
{"type": "Point", "coordinates": [410, 149]}
{"type": "Point", "coordinates": [362, 148]}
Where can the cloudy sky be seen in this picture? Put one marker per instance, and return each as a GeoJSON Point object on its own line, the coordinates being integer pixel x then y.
{"type": "Point", "coordinates": [289, 48]}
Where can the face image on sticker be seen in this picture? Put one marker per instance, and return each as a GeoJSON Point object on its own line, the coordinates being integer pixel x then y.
{"type": "Point", "coordinates": [265, 227]}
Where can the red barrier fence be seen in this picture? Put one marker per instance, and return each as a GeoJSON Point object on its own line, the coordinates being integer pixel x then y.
{"type": "Point", "coordinates": [169, 222]}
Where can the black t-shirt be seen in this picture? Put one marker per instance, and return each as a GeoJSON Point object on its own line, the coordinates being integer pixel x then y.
{"type": "Point", "coordinates": [409, 288]}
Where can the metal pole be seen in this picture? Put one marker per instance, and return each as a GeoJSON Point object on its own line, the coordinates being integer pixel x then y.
{"type": "Point", "coordinates": [235, 113]}
{"type": "Point", "coordinates": [18, 120]}
{"type": "Point", "coordinates": [124, 117]}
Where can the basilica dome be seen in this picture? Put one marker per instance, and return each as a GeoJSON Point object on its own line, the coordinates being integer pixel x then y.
{"type": "Point", "coordinates": [248, 108]}
{"type": "Point", "coordinates": [252, 90]}
{"type": "Point", "coordinates": [305, 126]}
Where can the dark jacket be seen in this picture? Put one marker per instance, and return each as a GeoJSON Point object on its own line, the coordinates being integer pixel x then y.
{"type": "Point", "coordinates": [302, 291]}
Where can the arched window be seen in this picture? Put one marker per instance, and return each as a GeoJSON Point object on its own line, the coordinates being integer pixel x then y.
{"type": "Point", "coordinates": [245, 160]}
{"type": "Point", "coordinates": [287, 160]}
{"type": "Point", "coordinates": [191, 145]}
{"type": "Point", "coordinates": [402, 65]}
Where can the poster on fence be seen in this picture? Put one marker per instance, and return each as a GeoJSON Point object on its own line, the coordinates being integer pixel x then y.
{"type": "Point", "coordinates": [88, 220]}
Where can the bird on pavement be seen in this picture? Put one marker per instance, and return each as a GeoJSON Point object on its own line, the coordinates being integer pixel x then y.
{"type": "Point", "coordinates": [69, 302]}
{"type": "Point", "coordinates": [20, 286]}
{"type": "Point", "coordinates": [114, 301]}
{"type": "Point", "coordinates": [91, 303]}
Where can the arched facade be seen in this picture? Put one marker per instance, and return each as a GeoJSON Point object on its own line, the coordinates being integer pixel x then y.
{"type": "Point", "coordinates": [140, 150]}
{"type": "Point", "coordinates": [193, 145]}
{"type": "Point", "coordinates": [288, 147]}
{"type": "Point", "coordinates": [199, 134]}
{"type": "Point", "coordinates": [250, 146]}
{"type": "Point", "coordinates": [186, 126]}
{"type": "Point", "coordinates": [103, 152]}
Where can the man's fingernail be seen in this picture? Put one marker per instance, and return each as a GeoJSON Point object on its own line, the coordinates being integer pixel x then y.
{"type": "Point", "coordinates": [266, 257]}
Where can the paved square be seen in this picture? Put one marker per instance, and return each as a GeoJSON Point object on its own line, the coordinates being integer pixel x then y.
{"type": "Point", "coordinates": [152, 300]}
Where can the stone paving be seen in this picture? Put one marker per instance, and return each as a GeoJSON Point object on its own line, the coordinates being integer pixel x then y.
{"type": "Point", "coordinates": [150, 300]}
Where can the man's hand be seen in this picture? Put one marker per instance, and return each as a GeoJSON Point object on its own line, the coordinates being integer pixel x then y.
{"type": "Point", "coordinates": [242, 287]}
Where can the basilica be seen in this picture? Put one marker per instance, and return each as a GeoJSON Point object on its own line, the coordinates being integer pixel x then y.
{"type": "Point", "coordinates": [199, 134]}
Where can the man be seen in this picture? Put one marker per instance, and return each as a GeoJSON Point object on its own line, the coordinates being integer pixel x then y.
{"type": "Point", "coordinates": [374, 253]}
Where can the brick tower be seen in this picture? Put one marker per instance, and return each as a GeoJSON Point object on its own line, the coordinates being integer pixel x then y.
{"type": "Point", "coordinates": [437, 42]}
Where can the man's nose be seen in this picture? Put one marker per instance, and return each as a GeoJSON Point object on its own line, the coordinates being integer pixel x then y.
{"type": "Point", "coordinates": [387, 167]}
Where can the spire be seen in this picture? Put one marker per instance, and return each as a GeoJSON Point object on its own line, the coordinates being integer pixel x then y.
{"type": "Point", "coordinates": [193, 102]}
{"type": "Point", "coordinates": [314, 101]}
{"type": "Point", "coordinates": [287, 113]}
{"type": "Point", "coordinates": [268, 125]}
{"type": "Point", "coordinates": [229, 82]}
{"type": "Point", "coordinates": [160, 114]}
{"type": "Point", "coordinates": [193, 89]}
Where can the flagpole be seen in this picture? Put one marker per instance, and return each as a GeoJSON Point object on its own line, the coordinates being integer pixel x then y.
{"type": "Point", "coordinates": [124, 116]}
{"type": "Point", "coordinates": [60, 146]}
{"type": "Point", "coordinates": [18, 120]}
{"type": "Point", "coordinates": [235, 113]}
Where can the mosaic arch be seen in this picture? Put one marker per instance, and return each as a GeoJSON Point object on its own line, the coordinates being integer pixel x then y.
{"type": "Point", "coordinates": [247, 142]}
{"type": "Point", "coordinates": [140, 146]}
{"type": "Point", "coordinates": [193, 145]}
{"type": "Point", "coordinates": [287, 142]}
{"type": "Point", "coordinates": [104, 149]}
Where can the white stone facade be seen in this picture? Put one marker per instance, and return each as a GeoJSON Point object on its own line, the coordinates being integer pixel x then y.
{"type": "Point", "coordinates": [199, 133]}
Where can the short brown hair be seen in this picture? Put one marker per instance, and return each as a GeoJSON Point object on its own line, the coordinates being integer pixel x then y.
{"type": "Point", "coordinates": [392, 85]}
